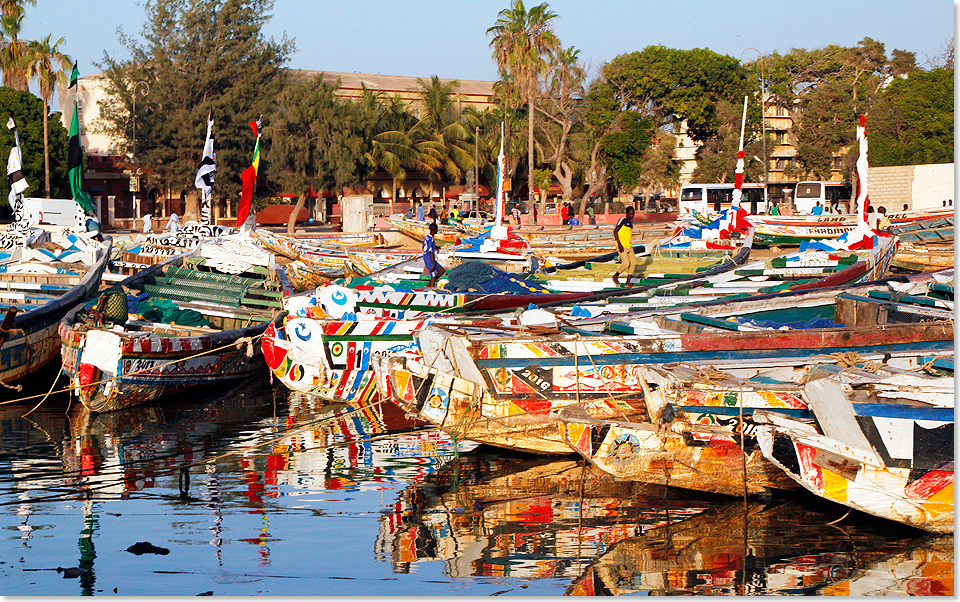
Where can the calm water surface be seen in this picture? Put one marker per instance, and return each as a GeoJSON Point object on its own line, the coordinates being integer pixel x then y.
{"type": "Point", "coordinates": [254, 493]}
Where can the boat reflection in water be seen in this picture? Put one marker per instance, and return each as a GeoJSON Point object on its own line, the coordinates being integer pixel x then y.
{"type": "Point", "coordinates": [515, 516]}
{"type": "Point", "coordinates": [357, 446]}
{"type": "Point", "coordinates": [758, 548]}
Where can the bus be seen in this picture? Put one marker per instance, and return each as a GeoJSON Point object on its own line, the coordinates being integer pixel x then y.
{"type": "Point", "coordinates": [834, 196]}
{"type": "Point", "coordinates": [717, 197]}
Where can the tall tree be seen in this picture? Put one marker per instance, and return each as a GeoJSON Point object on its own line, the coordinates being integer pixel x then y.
{"type": "Point", "coordinates": [27, 111]}
{"type": "Point", "coordinates": [48, 64]}
{"type": "Point", "coordinates": [12, 48]}
{"type": "Point", "coordinates": [317, 140]}
{"type": "Point", "coordinates": [199, 58]}
{"type": "Point", "coordinates": [443, 137]}
{"type": "Point", "coordinates": [562, 106]}
{"type": "Point", "coordinates": [523, 43]}
{"type": "Point", "coordinates": [912, 121]}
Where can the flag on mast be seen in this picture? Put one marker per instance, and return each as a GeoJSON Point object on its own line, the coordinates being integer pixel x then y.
{"type": "Point", "coordinates": [18, 184]}
{"type": "Point", "coordinates": [863, 199]}
{"type": "Point", "coordinates": [501, 168]}
{"type": "Point", "coordinates": [208, 164]}
{"type": "Point", "coordinates": [75, 153]}
{"type": "Point", "coordinates": [249, 176]}
{"type": "Point", "coordinates": [738, 178]}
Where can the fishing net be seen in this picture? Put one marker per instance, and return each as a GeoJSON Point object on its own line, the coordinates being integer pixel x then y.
{"type": "Point", "coordinates": [480, 277]}
{"type": "Point", "coordinates": [167, 312]}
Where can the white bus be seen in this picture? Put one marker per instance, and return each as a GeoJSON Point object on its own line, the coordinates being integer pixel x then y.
{"type": "Point", "coordinates": [717, 197]}
{"type": "Point", "coordinates": [834, 196]}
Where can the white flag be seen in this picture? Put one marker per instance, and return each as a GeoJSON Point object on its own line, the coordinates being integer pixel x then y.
{"type": "Point", "coordinates": [208, 165]}
{"type": "Point", "coordinates": [15, 164]}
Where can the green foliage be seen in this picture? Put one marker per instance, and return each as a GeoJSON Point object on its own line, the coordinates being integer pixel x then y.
{"type": "Point", "coordinates": [27, 111]}
{"type": "Point", "coordinates": [199, 57]}
{"type": "Point", "coordinates": [672, 85]}
{"type": "Point", "coordinates": [625, 148]}
{"type": "Point", "coordinates": [912, 121]}
{"type": "Point", "coordinates": [317, 139]}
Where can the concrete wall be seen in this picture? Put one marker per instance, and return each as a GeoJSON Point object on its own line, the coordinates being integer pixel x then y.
{"type": "Point", "coordinates": [917, 186]}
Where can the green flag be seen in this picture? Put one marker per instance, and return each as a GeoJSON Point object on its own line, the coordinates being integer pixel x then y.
{"type": "Point", "coordinates": [75, 156]}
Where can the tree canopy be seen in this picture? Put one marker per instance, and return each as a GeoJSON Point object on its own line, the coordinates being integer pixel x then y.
{"type": "Point", "coordinates": [912, 120]}
{"type": "Point", "coordinates": [199, 58]}
{"type": "Point", "coordinates": [27, 111]}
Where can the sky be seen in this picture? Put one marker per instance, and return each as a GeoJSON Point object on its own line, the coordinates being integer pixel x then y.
{"type": "Point", "coordinates": [448, 38]}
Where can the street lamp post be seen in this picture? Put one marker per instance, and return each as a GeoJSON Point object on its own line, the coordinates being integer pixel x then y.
{"type": "Point", "coordinates": [763, 119]}
{"type": "Point", "coordinates": [145, 91]}
{"type": "Point", "coordinates": [136, 171]}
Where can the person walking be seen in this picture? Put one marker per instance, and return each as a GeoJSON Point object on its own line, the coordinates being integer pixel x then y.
{"type": "Point", "coordinates": [431, 266]}
{"type": "Point", "coordinates": [565, 214]}
{"type": "Point", "coordinates": [623, 235]}
{"type": "Point", "coordinates": [516, 213]}
{"type": "Point", "coordinates": [147, 223]}
{"type": "Point", "coordinates": [433, 214]}
{"type": "Point", "coordinates": [420, 211]}
{"type": "Point", "coordinates": [591, 213]}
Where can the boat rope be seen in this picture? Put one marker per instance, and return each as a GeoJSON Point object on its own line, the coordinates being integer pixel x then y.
{"type": "Point", "coordinates": [52, 385]}
{"type": "Point", "coordinates": [69, 387]}
{"type": "Point", "coordinates": [851, 359]}
{"type": "Point", "coordinates": [248, 341]}
{"type": "Point", "coordinates": [14, 387]}
{"type": "Point", "coordinates": [929, 364]}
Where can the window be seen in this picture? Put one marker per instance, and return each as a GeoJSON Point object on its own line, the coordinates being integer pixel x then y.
{"type": "Point", "coordinates": [781, 136]}
{"type": "Point", "coordinates": [780, 164]}
{"type": "Point", "coordinates": [781, 111]}
{"type": "Point", "coordinates": [838, 163]}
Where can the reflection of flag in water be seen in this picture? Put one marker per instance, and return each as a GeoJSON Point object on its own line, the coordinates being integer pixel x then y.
{"type": "Point", "coordinates": [249, 176]}
{"type": "Point", "coordinates": [208, 165]}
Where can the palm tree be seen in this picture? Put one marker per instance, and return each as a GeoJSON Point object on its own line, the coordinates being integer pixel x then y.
{"type": "Point", "coordinates": [523, 42]}
{"type": "Point", "coordinates": [48, 65]}
{"type": "Point", "coordinates": [13, 49]}
{"type": "Point", "coordinates": [443, 136]}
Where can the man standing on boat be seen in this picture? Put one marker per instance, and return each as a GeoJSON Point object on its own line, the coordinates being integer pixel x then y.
{"type": "Point", "coordinates": [431, 266]}
{"type": "Point", "coordinates": [623, 234]}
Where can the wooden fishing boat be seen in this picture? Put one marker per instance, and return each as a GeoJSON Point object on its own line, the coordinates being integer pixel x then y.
{"type": "Point", "coordinates": [883, 446]}
{"type": "Point", "coordinates": [364, 263]}
{"type": "Point", "coordinates": [446, 234]}
{"type": "Point", "coordinates": [694, 437]}
{"type": "Point", "coordinates": [923, 258]}
{"type": "Point", "coordinates": [795, 229]}
{"type": "Point", "coordinates": [43, 275]}
{"type": "Point", "coordinates": [936, 230]}
{"type": "Point", "coordinates": [301, 246]}
{"type": "Point", "coordinates": [193, 323]}
{"type": "Point", "coordinates": [492, 374]}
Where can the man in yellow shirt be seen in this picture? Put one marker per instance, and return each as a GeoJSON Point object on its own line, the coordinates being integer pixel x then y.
{"type": "Point", "coordinates": [623, 234]}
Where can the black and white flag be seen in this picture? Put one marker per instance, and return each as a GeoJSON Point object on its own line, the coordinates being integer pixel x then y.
{"type": "Point", "coordinates": [18, 184]}
{"type": "Point", "coordinates": [209, 163]}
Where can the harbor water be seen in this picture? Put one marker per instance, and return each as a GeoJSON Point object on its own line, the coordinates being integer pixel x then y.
{"type": "Point", "coordinates": [254, 491]}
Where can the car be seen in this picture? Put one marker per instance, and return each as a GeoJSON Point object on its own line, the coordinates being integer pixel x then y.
{"type": "Point", "coordinates": [477, 216]}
